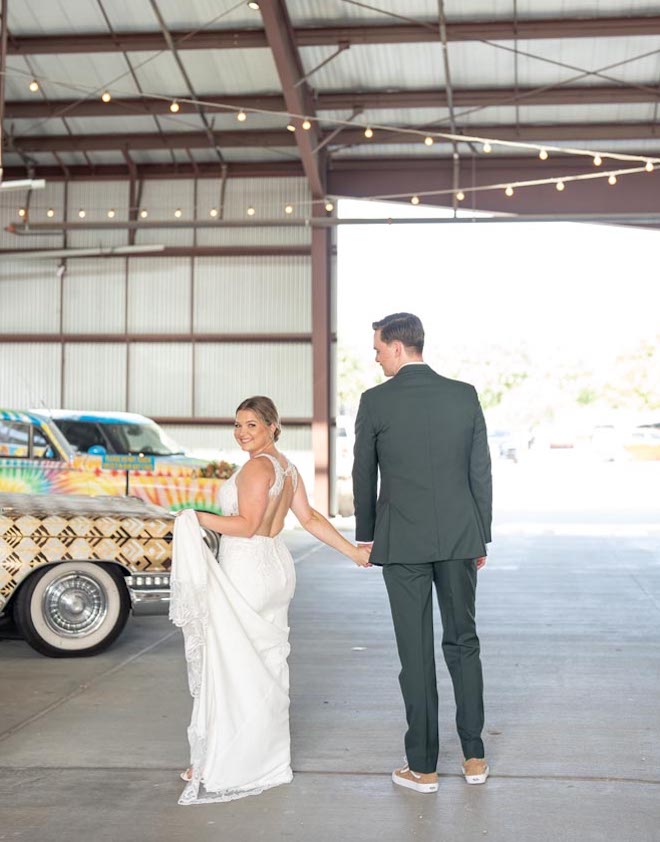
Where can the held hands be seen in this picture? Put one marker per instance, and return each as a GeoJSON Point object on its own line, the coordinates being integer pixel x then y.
{"type": "Point", "coordinates": [361, 555]}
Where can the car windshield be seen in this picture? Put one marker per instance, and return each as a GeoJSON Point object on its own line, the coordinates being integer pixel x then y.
{"type": "Point", "coordinates": [119, 438]}
{"type": "Point", "coordinates": [141, 438]}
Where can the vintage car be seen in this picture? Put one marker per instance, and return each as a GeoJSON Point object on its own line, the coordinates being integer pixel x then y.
{"type": "Point", "coordinates": [73, 567]}
{"type": "Point", "coordinates": [63, 452]}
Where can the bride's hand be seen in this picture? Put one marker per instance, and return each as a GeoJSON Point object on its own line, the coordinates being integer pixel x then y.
{"type": "Point", "coordinates": [361, 555]}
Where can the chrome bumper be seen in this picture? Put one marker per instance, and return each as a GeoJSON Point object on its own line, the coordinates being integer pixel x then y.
{"type": "Point", "coordinates": [150, 593]}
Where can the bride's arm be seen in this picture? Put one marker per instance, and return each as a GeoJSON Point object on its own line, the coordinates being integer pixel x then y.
{"type": "Point", "coordinates": [253, 484]}
{"type": "Point", "coordinates": [321, 528]}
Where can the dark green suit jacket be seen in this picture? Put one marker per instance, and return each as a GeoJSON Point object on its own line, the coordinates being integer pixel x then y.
{"type": "Point", "coordinates": [427, 436]}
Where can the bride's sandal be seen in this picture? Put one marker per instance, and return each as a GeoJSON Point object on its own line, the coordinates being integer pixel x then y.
{"type": "Point", "coordinates": [187, 775]}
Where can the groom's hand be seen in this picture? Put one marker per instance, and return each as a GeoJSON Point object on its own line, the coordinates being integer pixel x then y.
{"type": "Point", "coordinates": [480, 562]}
{"type": "Point", "coordinates": [363, 551]}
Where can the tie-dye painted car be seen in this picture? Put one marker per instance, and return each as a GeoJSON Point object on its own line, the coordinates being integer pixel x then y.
{"type": "Point", "coordinates": [103, 453]}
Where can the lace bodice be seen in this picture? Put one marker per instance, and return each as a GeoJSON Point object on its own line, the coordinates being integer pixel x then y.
{"type": "Point", "coordinates": [229, 492]}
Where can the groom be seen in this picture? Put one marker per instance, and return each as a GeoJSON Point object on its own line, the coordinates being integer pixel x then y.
{"type": "Point", "coordinates": [426, 436]}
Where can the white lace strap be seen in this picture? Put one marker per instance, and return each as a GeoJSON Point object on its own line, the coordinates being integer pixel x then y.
{"type": "Point", "coordinates": [281, 474]}
{"type": "Point", "coordinates": [278, 485]}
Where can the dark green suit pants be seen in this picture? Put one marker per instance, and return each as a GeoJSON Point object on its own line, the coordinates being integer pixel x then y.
{"type": "Point", "coordinates": [410, 588]}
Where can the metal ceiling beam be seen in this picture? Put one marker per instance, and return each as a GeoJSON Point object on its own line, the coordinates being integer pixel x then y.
{"type": "Point", "coordinates": [113, 172]}
{"type": "Point", "coordinates": [296, 92]}
{"type": "Point", "coordinates": [349, 137]}
{"type": "Point", "coordinates": [342, 100]}
{"type": "Point", "coordinates": [425, 31]}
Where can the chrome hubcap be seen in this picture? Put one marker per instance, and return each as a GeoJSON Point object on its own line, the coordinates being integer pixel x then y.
{"type": "Point", "coordinates": [74, 605]}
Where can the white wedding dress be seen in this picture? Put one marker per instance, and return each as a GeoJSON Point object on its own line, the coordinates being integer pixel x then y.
{"type": "Point", "coordinates": [233, 613]}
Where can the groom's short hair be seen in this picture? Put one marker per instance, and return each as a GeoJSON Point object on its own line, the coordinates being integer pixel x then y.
{"type": "Point", "coordinates": [402, 327]}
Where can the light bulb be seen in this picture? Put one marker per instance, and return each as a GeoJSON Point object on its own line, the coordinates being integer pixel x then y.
{"type": "Point", "coordinates": [649, 166]}
{"type": "Point", "coordinates": [291, 127]}
{"type": "Point", "coordinates": [560, 186]}
{"type": "Point", "coordinates": [22, 212]}
{"type": "Point", "coordinates": [612, 180]}
{"type": "Point", "coordinates": [82, 213]}
{"type": "Point", "coordinates": [174, 107]}
{"type": "Point", "coordinates": [177, 213]}
{"type": "Point", "coordinates": [106, 96]}
{"type": "Point", "coordinates": [509, 190]}
{"type": "Point", "coordinates": [306, 125]}
{"type": "Point", "coordinates": [543, 154]}
{"type": "Point", "coordinates": [369, 132]}
{"type": "Point", "coordinates": [213, 212]}
{"type": "Point", "coordinates": [288, 209]}
{"type": "Point", "coordinates": [241, 116]}
{"type": "Point", "coordinates": [34, 86]}
{"type": "Point", "coordinates": [428, 140]}
{"type": "Point", "coordinates": [111, 213]}
{"type": "Point", "coordinates": [251, 211]}
{"type": "Point", "coordinates": [460, 195]}
{"type": "Point", "coordinates": [414, 200]}
{"type": "Point", "coordinates": [50, 213]}
{"type": "Point", "coordinates": [144, 214]}
{"type": "Point", "coordinates": [329, 206]}
{"type": "Point", "coordinates": [487, 147]}
{"type": "Point", "coordinates": [597, 160]}
{"type": "Point", "coordinates": [253, 5]}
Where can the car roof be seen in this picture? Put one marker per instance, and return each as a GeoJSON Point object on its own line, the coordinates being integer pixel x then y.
{"type": "Point", "coordinates": [26, 416]}
{"type": "Point", "coordinates": [93, 416]}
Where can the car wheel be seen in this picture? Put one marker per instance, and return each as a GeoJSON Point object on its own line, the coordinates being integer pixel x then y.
{"type": "Point", "coordinates": [72, 609]}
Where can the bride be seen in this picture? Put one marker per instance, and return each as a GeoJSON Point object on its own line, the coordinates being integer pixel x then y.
{"type": "Point", "coordinates": [234, 616]}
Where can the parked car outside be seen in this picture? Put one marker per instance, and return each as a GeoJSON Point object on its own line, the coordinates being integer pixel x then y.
{"type": "Point", "coordinates": [103, 453]}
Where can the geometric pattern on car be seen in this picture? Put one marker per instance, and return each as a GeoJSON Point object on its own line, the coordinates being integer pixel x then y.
{"type": "Point", "coordinates": [30, 540]}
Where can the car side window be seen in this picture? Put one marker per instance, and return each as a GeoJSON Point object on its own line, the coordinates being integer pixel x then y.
{"type": "Point", "coordinates": [82, 434]}
{"type": "Point", "coordinates": [14, 439]}
{"type": "Point", "coordinates": [41, 447]}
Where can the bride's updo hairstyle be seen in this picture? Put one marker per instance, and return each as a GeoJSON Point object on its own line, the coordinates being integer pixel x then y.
{"type": "Point", "coordinates": [265, 409]}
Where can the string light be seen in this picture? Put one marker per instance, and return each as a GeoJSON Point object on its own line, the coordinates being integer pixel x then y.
{"type": "Point", "coordinates": [251, 211]}
{"type": "Point", "coordinates": [369, 132]}
{"type": "Point", "coordinates": [50, 213]}
{"type": "Point", "coordinates": [288, 209]}
{"type": "Point", "coordinates": [111, 213]}
{"type": "Point", "coordinates": [22, 212]}
{"type": "Point", "coordinates": [414, 200]}
{"type": "Point", "coordinates": [174, 107]}
{"type": "Point", "coordinates": [106, 96]}
{"type": "Point", "coordinates": [597, 160]}
{"type": "Point", "coordinates": [560, 186]}
{"type": "Point", "coordinates": [509, 191]}
{"type": "Point", "coordinates": [460, 196]}
{"type": "Point", "coordinates": [649, 166]}
{"type": "Point", "coordinates": [241, 116]}
{"type": "Point", "coordinates": [34, 86]}
{"type": "Point", "coordinates": [329, 206]}
{"type": "Point", "coordinates": [213, 212]}
{"type": "Point", "coordinates": [612, 180]}
{"type": "Point", "coordinates": [291, 127]}
{"type": "Point", "coordinates": [177, 213]}
{"type": "Point", "coordinates": [144, 214]}
{"type": "Point", "coordinates": [543, 154]}
{"type": "Point", "coordinates": [487, 147]}
{"type": "Point", "coordinates": [82, 213]}
{"type": "Point", "coordinates": [306, 125]}
{"type": "Point", "coordinates": [428, 140]}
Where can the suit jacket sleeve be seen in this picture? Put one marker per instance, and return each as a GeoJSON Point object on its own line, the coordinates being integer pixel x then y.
{"type": "Point", "coordinates": [365, 474]}
{"type": "Point", "coordinates": [481, 483]}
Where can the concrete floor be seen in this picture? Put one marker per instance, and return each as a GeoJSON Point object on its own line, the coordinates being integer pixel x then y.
{"type": "Point", "coordinates": [569, 618]}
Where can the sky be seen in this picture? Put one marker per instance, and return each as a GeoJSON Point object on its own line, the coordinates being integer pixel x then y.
{"type": "Point", "coordinates": [572, 289]}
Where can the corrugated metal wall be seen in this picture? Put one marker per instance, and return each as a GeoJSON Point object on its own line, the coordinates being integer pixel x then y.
{"type": "Point", "coordinates": [186, 297]}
